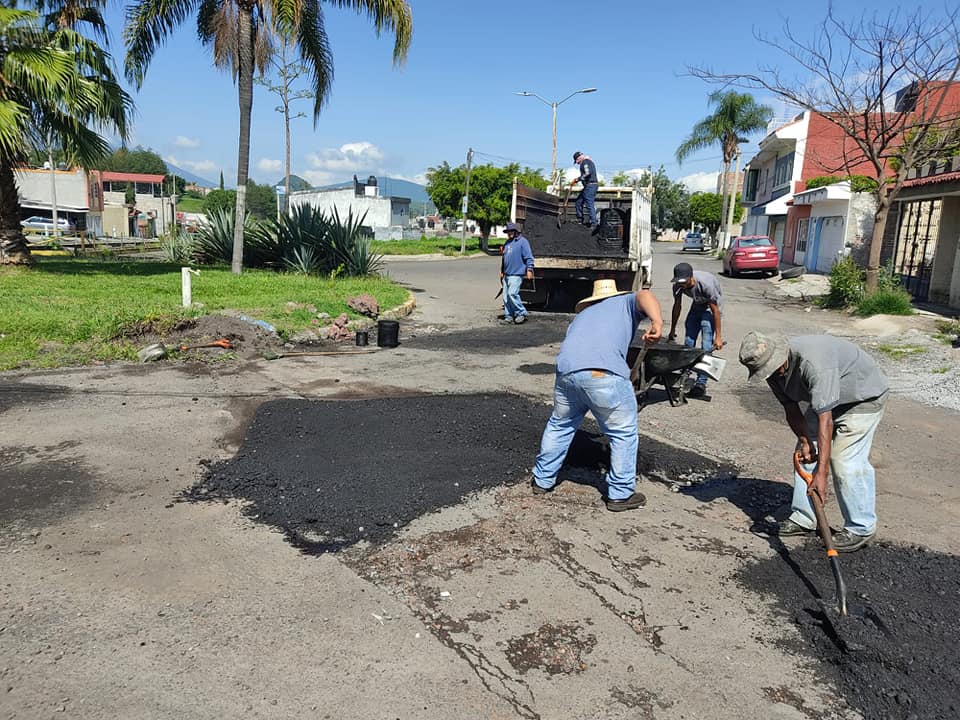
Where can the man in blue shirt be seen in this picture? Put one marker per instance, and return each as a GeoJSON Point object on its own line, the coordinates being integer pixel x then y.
{"type": "Point", "coordinates": [592, 374]}
{"type": "Point", "coordinates": [515, 265]}
{"type": "Point", "coordinates": [585, 200]}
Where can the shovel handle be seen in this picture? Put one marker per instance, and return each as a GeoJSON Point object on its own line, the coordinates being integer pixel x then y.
{"type": "Point", "coordinates": [823, 529]}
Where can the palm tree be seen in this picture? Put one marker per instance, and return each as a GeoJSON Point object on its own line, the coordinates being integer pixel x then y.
{"type": "Point", "coordinates": [55, 86]}
{"type": "Point", "coordinates": [241, 33]}
{"type": "Point", "coordinates": [736, 115]}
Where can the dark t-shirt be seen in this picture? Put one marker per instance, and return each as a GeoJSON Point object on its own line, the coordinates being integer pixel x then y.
{"type": "Point", "coordinates": [588, 172]}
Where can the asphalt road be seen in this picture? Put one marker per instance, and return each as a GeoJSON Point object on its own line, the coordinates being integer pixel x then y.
{"type": "Point", "coordinates": [121, 600]}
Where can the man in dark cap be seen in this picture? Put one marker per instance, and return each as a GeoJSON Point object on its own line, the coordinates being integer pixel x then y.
{"type": "Point", "coordinates": [586, 210]}
{"type": "Point", "coordinates": [703, 319]}
{"type": "Point", "coordinates": [844, 393]}
{"type": "Point", "coordinates": [593, 375]}
{"type": "Point", "coordinates": [515, 265]}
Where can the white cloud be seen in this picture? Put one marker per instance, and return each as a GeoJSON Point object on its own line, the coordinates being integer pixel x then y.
{"type": "Point", "coordinates": [419, 178]}
{"type": "Point", "coordinates": [186, 142]}
{"type": "Point", "coordinates": [317, 177]}
{"type": "Point", "coordinates": [348, 158]}
{"type": "Point", "coordinates": [268, 165]}
{"type": "Point", "coordinates": [194, 165]}
{"type": "Point", "coordinates": [701, 181]}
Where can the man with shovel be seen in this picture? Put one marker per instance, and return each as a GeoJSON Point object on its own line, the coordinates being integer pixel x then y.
{"type": "Point", "coordinates": [844, 393]}
{"type": "Point", "coordinates": [592, 374]}
{"type": "Point", "coordinates": [703, 318]}
{"type": "Point", "coordinates": [585, 205]}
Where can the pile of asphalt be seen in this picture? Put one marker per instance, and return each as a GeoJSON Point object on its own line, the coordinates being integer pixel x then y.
{"type": "Point", "coordinates": [330, 473]}
{"type": "Point", "coordinates": [913, 672]}
{"type": "Point", "coordinates": [569, 240]}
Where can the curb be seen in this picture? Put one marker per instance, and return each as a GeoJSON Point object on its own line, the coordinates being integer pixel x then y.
{"type": "Point", "coordinates": [400, 310]}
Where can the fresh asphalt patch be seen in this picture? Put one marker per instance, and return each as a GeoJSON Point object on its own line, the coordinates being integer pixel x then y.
{"type": "Point", "coordinates": [912, 672]}
{"type": "Point", "coordinates": [331, 473]}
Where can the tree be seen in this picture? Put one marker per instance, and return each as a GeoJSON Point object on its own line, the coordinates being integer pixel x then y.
{"type": "Point", "coordinates": [261, 200]}
{"type": "Point", "coordinates": [621, 179]}
{"type": "Point", "coordinates": [670, 205]}
{"type": "Point", "coordinates": [219, 200]}
{"type": "Point", "coordinates": [706, 209]}
{"type": "Point", "coordinates": [856, 66]}
{"type": "Point", "coordinates": [138, 160]}
{"type": "Point", "coordinates": [241, 33]}
{"type": "Point", "coordinates": [737, 116]}
{"type": "Point", "coordinates": [288, 72]}
{"type": "Point", "coordinates": [221, 180]}
{"type": "Point", "coordinates": [491, 191]}
{"type": "Point", "coordinates": [55, 86]}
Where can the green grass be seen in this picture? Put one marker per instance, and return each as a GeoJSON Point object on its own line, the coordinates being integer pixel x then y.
{"type": "Point", "coordinates": [75, 311]}
{"type": "Point", "coordinates": [899, 352]}
{"type": "Point", "coordinates": [189, 204]}
{"type": "Point", "coordinates": [891, 301]}
{"type": "Point", "coordinates": [942, 370]}
{"type": "Point", "coordinates": [947, 331]}
{"type": "Point", "coordinates": [426, 246]}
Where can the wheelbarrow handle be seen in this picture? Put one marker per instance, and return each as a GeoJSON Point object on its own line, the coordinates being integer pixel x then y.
{"type": "Point", "coordinates": [823, 529]}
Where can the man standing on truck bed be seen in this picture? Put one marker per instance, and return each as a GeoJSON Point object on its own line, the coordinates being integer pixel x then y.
{"type": "Point", "coordinates": [515, 265]}
{"type": "Point", "coordinates": [704, 317]}
{"type": "Point", "coordinates": [592, 374]}
{"type": "Point", "coordinates": [585, 200]}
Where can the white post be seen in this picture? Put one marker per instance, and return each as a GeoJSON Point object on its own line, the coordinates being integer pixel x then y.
{"type": "Point", "coordinates": [185, 285]}
{"type": "Point", "coordinates": [733, 201]}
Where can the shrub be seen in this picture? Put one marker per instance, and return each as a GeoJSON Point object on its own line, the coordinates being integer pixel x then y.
{"type": "Point", "coordinates": [177, 247]}
{"type": "Point", "coordinates": [890, 301]}
{"type": "Point", "coordinates": [846, 284]}
{"type": "Point", "coordinates": [858, 183]}
{"type": "Point", "coordinates": [350, 245]}
{"type": "Point", "coordinates": [213, 241]}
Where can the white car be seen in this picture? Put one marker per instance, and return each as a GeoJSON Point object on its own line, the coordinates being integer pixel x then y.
{"type": "Point", "coordinates": [694, 241]}
{"type": "Point", "coordinates": [41, 224]}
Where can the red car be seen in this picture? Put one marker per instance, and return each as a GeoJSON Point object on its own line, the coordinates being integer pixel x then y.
{"type": "Point", "coordinates": [751, 252]}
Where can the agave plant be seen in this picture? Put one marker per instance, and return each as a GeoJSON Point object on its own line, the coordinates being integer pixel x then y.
{"type": "Point", "coordinates": [214, 238]}
{"type": "Point", "coordinates": [178, 247]}
{"type": "Point", "coordinates": [350, 245]}
{"type": "Point", "coordinates": [304, 260]}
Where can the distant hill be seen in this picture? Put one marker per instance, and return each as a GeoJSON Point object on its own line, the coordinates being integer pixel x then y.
{"type": "Point", "coordinates": [392, 187]}
{"type": "Point", "coordinates": [296, 183]}
{"type": "Point", "coordinates": [190, 177]}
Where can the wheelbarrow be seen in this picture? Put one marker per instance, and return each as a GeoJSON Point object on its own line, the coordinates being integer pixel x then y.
{"type": "Point", "coordinates": [669, 365]}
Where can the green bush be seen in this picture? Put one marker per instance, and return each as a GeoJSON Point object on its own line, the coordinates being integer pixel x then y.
{"type": "Point", "coordinates": [177, 247]}
{"type": "Point", "coordinates": [846, 284]}
{"type": "Point", "coordinates": [213, 240]}
{"type": "Point", "coordinates": [858, 183]}
{"type": "Point", "coordinates": [890, 301]}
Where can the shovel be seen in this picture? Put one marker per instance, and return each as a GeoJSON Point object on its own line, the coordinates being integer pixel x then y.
{"type": "Point", "coordinates": [842, 608]}
{"type": "Point", "coordinates": [221, 343]}
{"type": "Point", "coordinates": [563, 210]}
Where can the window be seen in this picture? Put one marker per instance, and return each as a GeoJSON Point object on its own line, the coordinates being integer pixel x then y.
{"type": "Point", "coordinates": [755, 242]}
{"type": "Point", "coordinates": [803, 227]}
{"type": "Point", "coordinates": [753, 180]}
{"type": "Point", "coordinates": [783, 171]}
{"type": "Point", "coordinates": [144, 188]}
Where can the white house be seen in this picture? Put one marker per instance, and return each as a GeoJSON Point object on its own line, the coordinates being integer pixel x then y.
{"type": "Point", "coordinates": [840, 220]}
{"type": "Point", "coordinates": [387, 216]}
{"type": "Point", "coordinates": [35, 189]}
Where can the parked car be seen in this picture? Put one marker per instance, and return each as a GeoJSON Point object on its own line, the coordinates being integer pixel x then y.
{"type": "Point", "coordinates": [694, 241]}
{"type": "Point", "coordinates": [41, 224]}
{"type": "Point", "coordinates": [751, 252]}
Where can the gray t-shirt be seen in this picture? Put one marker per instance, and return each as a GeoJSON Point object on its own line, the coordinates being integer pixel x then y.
{"type": "Point", "coordinates": [706, 289]}
{"type": "Point", "coordinates": [830, 374]}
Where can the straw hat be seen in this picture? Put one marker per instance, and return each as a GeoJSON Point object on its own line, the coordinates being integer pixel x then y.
{"type": "Point", "coordinates": [602, 289]}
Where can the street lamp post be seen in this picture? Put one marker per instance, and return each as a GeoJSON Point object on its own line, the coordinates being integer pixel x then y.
{"type": "Point", "coordinates": [553, 105]}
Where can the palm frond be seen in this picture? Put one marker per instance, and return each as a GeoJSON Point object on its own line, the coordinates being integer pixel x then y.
{"type": "Point", "coordinates": [392, 15]}
{"type": "Point", "coordinates": [315, 52]}
{"type": "Point", "coordinates": [148, 24]}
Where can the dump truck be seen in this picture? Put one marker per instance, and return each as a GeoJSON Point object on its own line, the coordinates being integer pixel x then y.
{"type": "Point", "coordinates": [568, 256]}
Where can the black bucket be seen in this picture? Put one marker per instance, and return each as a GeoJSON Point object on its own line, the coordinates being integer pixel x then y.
{"type": "Point", "coordinates": [388, 333]}
{"type": "Point", "coordinates": [362, 338]}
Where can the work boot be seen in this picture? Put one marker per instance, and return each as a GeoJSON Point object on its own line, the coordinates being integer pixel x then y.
{"type": "Point", "coordinates": [788, 528]}
{"type": "Point", "coordinates": [846, 541]}
{"type": "Point", "coordinates": [537, 490]}
{"type": "Point", "coordinates": [520, 320]}
{"type": "Point", "coordinates": [637, 500]}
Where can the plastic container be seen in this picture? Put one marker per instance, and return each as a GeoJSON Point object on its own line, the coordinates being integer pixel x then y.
{"type": "Point", "coordinates": [388, 333]}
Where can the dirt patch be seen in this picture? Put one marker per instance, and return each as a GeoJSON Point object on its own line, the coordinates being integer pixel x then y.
{"type": "Point", "coordinates": [914, 673]}
{"type": "Point", "coordinates": [35, 489]}
{"type": "Point", "coordinates": [249, 340]}
{"type": "Point", "coordinates": [555, 649]}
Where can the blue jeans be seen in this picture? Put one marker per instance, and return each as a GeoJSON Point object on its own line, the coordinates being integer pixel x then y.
{"type": "Point", "coordinates": [699, 322]}
{"type": "Point", "coordinates": [612, 401]}
{"type": "Point", "coordinates": [854, 480]}
{"type": "Point", "coordinates": [585, 200]}
{"type": "Point", "coordinates": [512, 304]}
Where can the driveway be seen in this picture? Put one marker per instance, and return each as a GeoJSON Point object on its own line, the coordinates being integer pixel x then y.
{"type": "Point", "coordinates": [125, 598]}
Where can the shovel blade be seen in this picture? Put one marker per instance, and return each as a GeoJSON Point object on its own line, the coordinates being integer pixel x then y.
{"type": "Point", "coordinates": [711, 366]}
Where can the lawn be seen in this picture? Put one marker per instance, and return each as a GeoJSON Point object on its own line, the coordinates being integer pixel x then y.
{"type": "Point", "coordinates": [74, 311]}
{"type": "Point", "coordinates": [427, 246]}
{"type": "Point", "coordinates": [189, 204]}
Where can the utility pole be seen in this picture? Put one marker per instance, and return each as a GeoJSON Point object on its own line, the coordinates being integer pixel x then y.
{"type": "Point", "coordinates": [53, 184]}
{"type": "Point", "coordinates": [466, 201]}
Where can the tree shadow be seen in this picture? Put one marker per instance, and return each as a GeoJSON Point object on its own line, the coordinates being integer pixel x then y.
{"type": "Point", "coordinates": [112, 266]}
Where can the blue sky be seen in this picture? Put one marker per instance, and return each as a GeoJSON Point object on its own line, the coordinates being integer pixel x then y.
{"type": "Point", "coordinates": [456, 89]}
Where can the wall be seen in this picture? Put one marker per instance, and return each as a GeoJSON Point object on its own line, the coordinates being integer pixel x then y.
{"type": "Point", "coordinates": [830, 218]}
{"type": "Point", "coordinates": [945, 280]}
{"type": "Point", "coordinates": [34, 188]}
{"type": "Point", "coordinates": [377, 209]}
{"type": "Point", "coordinates": [827, 146]}
{"type": "Point", "coordinates": [859, 230]}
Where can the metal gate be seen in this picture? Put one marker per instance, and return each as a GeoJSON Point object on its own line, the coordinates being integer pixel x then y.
{"type": "Point", "coordinates": [916, 245]}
